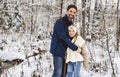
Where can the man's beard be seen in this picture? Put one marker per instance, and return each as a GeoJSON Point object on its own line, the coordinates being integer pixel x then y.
{"type": "Point", "coordinates": [70, 17]}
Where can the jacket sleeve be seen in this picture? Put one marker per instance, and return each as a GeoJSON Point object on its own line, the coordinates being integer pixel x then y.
{"type": "Point", "coordinates": [61, 32]}
{"type": "Point", "coordinates": [84, 54]}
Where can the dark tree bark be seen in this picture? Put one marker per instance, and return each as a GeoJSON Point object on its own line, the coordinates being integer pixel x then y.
{"type": "Point", "coordinates": [118, 27]}
{"type": "Point", "coordinates": [83, 19]}
{"type": "Point", "coordinates": [61, 8]}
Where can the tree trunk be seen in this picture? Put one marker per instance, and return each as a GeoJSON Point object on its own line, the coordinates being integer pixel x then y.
{"type": "Point", "coordinates": [61, 8]}
{"type": "Point", "coordinates": [32, 19]}
{"type": "Point", "coordinates": [88, 16]}
{"type": "Point", "coordinates": [83, 19]}
{"type": "Point", "coordinates": [118, 28]}
{"type": "Point", "coordinates": [107, 44]}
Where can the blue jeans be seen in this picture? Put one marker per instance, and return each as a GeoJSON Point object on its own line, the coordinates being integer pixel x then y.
{"type": "Point", "coordinates": [58, 66]}
{"type": "Point", "coordinates": [74, 67]}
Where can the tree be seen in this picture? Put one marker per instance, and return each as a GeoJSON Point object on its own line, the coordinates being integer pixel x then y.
{"type": "Point", "coordinates": [83, 18]}
{"type": "Point", "coordinates": [118, 27]}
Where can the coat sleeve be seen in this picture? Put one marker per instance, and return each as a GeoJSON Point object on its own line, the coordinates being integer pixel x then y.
{"type": "Point", "coordinates": [84, 54]}
{"type": "Point", "coordinates": [61, 32]}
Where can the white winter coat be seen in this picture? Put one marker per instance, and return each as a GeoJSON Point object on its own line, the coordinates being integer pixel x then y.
{"type": "Point", "coordinates": [74, 56]}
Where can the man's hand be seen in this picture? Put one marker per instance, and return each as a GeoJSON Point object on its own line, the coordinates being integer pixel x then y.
{"type": "Point", "coordinates": [79, 49]}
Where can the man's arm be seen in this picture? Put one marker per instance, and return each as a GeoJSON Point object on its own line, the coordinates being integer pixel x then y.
{"type": "Point", "coordinates": [60, 30]}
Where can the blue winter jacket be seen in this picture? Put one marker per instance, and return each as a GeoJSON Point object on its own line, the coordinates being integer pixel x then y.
{"type": "Point", "coordinates": [60, 39]}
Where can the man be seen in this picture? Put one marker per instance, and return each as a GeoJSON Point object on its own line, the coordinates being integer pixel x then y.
{"type": "Point", "coordinates": [60, 40]}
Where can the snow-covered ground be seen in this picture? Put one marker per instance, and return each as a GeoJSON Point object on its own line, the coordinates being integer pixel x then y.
{"type": "Point", "coordinates": [41, 65]}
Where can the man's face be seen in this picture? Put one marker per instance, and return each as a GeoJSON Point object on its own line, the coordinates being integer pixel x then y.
{"type": "Point", "coordinates": [71, 13]}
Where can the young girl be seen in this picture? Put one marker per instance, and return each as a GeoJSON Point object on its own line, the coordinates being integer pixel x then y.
{"type": "Point", "coordinates": [74, 59]}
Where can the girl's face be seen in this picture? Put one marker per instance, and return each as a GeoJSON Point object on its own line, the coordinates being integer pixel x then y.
{"type": "Point", "coordinates": [72, 32]}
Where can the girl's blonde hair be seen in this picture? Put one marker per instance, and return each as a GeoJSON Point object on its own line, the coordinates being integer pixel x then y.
{"type": "Point", "coordinates": [75, 29]}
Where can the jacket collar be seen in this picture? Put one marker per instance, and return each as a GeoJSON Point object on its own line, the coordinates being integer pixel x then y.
{"type": "Point", "coordinates": [67, 21]}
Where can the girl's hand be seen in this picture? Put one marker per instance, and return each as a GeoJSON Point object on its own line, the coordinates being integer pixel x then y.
{"type": "Point", "coordinates": [79, 49]}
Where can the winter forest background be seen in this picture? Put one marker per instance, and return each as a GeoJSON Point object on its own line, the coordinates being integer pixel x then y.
{"type": "Point", "coordinates": [25, 33]}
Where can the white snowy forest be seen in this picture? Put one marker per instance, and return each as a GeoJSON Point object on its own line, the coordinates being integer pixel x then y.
{"type": "Point", "coordinates": [26, 27]}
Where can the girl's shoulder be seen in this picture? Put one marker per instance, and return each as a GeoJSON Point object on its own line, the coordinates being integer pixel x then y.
{"type": "Point", "coordinates": [80, 38]}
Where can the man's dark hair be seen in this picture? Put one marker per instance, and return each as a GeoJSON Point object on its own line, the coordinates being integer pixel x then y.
{"type": "Point", "coordinates": [71, 6]}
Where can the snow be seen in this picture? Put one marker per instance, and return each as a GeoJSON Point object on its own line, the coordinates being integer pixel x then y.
{"type": "Point", "coordinates": [29, 66]}
{"type": "Point", "coordinates": [11, 55]}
